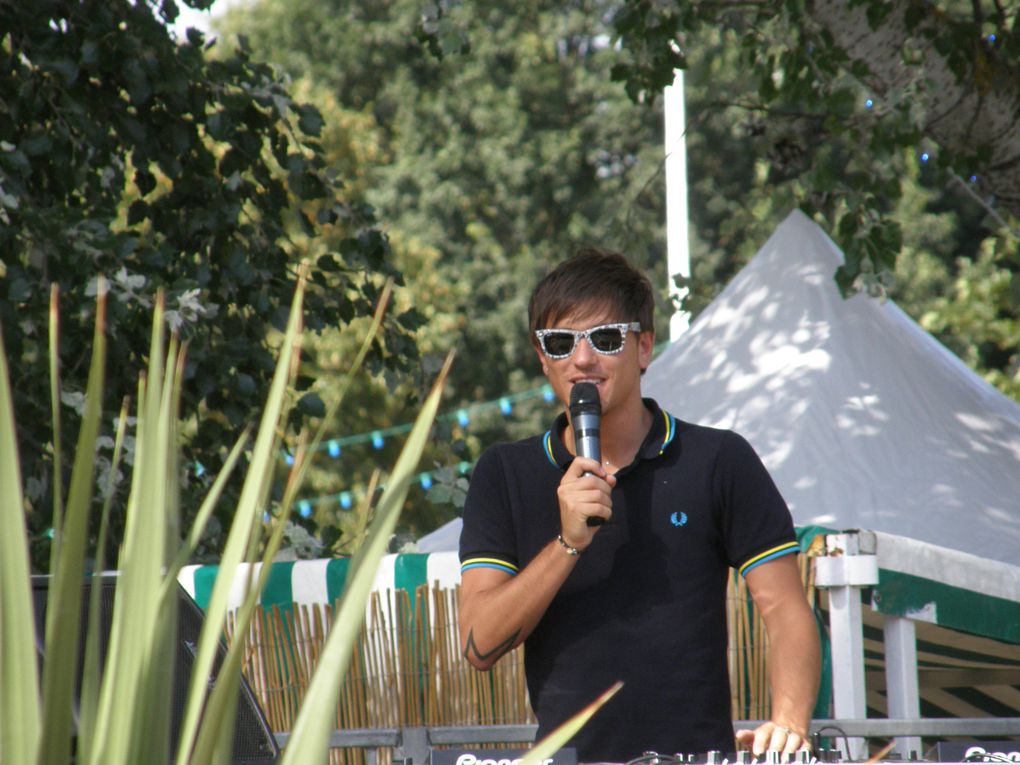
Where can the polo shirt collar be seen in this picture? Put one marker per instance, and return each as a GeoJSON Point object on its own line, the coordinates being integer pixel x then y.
{"type": "Point", "coordinates": [658, 438]}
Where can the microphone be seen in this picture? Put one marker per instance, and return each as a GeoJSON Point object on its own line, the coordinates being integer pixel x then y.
{"type": "Point", "coordinates": [585, 417]}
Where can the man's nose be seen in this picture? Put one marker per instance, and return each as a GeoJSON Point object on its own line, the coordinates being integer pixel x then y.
{"type": "Point", "coordinates": [584, 354]}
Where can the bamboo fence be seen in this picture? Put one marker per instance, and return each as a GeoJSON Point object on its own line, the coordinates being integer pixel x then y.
{"type": "Point", "coordinates": [408, 671]}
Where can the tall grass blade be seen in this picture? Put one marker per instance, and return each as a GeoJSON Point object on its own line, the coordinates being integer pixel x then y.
{"type": "Point", "coordinates": [552, 743]}
{"type": "Point", "coordinates": [309, 741]}
{"type": "Point", "coordinates": [20, 723]}
{"type": "Point", "coordinates": [129, 719]}
{"type": "Point", "coordinates": [190, 545]}
{"type": "Point", "coordinates": [58, 453]}
{"type": "Point", "coordinates": [91, 677]}
{"type": "Point", "coordinates": [297, 475]}
{"type": "Point", "coordinates": [195, 745]}
{"type": "Point", "coordinates": [63, 614]}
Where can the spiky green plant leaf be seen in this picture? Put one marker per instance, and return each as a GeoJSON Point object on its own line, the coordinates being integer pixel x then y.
{"type": "Point", "coordinates": [555, 741]}
{"type": "Point", "coordinates": [63, 611]}
{"type": "Point", "coordinates": [309, 740]}
{"type": "Point", "coordinates": [20, 721]}
{"type": "Point", "coordinates": [124, 713]}
{"type": "Point", "coordinates": [201, 745]}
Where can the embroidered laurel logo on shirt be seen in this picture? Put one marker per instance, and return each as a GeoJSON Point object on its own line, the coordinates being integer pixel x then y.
{"type": "Point", "coordinates": [678, 519]}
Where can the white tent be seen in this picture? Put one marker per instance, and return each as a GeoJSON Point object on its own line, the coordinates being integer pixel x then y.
{"type": "Point", "coordinates": [863, 419]}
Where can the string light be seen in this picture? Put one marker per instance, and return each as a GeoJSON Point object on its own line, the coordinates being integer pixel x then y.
{"type": "Point", "coordinates": [334, 446]}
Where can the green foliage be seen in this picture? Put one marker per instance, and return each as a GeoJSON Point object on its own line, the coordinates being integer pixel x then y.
{"type": "Point", "coordinates": [493, 140]}
{"type": "Point", "coordinates": [488, 164]}
{"type": "Point", "coordinates": [781, 115]}
{"type": "Point", "coordinates": [128, 153]}
{"type": "Point", "coordinates": [125, 716]}
{"type": "Point", "coordinates": [813, 65]}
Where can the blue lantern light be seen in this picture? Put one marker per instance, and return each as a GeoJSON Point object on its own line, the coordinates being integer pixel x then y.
{"type": "Point", "coordinates": [334, 449]}
{"type": "Point", "coordinates": [305, 508]}
{"type": "Point", "coordinates": [869, 103]}
{"type": "Point", "coordinates": [463, 419]}
{"type": "Point", "coordinates": [345, 500]}
{"type": "Point", "coordinates": [505, 406]}
{"type": "Point", "coordinates": [426, 481]}
{"type": "Point", "coordinates": [377, 440]}
{"type": "Point", "coordinates": [547, 393]}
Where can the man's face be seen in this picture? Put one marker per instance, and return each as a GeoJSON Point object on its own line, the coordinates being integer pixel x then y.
{"type": "Point", "coordinates": [616, 375]}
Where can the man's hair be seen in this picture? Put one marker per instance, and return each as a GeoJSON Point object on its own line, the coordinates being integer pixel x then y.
{"type": "Point", "coordinates": [595, 279]}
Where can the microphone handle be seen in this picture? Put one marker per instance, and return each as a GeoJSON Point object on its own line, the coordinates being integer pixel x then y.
{"type": "Point", "coordinates": [587, 444]}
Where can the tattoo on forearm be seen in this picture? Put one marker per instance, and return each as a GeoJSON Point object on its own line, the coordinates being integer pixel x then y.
{"type": "Point", "coordinates": [471, 648]}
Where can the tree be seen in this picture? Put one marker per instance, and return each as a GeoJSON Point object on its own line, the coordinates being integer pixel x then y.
{"type": "Point", "coordinates": [126, 152]}
{"type": "Point", "coordinates": [488, 164]}
{"type": "Point", "coordinates": [846, 106]}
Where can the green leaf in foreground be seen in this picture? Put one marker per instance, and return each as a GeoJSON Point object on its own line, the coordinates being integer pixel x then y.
{"type": "Point", "coordinates": [552, 743]}
{"type": "Point", "coordinates": [309, 741]}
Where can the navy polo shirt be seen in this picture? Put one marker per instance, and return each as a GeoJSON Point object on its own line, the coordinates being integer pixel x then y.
{"type": "Point", "coordinates": [646, 601]}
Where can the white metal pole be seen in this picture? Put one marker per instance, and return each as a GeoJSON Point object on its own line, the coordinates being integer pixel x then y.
{"type": "Point", "coordinates": [849, 565]}
{"type": "Point", "coordinates": [678, 257]}
{"type": "Point", "coordinates": [901, 680]}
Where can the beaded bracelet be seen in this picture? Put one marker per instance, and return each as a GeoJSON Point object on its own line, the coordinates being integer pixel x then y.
{"type": "Point", "coordinates": [570, 550]}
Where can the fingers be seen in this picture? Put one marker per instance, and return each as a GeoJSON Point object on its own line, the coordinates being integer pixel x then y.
{"type": "Point", "coordinates": [771, 737]}
{"type": "Point", "coordinates": [582, 465]}
{"type": "Point", "coordinates": [583, 493]}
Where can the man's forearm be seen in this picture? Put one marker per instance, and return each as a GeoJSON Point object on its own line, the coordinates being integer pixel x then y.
{"type": "Point", "coordinates": [496, 615]}
{"type": "Point", "coordinates": [794, 671]}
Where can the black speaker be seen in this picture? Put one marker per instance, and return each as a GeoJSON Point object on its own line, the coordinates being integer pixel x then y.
{"type": "Point", "coordinates": [253, 740]}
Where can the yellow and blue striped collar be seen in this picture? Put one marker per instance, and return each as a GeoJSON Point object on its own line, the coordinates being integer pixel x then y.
{"type": "Point", "coordinates": [660, 436]}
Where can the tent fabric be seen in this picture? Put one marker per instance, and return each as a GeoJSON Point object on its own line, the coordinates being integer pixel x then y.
{"type": "Point", "coordinates": [444, 539]}
{"type": "Point", "coordinates": [863, 419]}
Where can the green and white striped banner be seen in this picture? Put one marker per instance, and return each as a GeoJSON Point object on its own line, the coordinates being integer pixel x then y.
{"type": "Point", "coordinates": [308, 582]}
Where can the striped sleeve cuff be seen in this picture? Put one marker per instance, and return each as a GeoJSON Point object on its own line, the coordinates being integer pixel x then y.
{"type": "Point", "coordinates": [484, 562]}
{"type": "Point", "coordinates": [787, 548]}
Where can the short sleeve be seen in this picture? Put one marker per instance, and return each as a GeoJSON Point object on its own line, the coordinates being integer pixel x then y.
{"type": "Point", "coordinates": [756, 522]}
{"type": "Point", "coordinates": [487, 539]}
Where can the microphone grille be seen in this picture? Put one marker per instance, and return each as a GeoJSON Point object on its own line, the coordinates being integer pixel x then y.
{"type": "Point", "coordinates": [584, 397]}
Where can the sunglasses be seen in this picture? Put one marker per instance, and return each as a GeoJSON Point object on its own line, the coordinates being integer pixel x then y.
{"type": "Point", "coordinates": [606, 339]}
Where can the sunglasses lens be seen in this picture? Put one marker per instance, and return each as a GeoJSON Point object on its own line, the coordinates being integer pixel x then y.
{"type": "Point", "coordinates": [558, 343]}
{"type": "Point", "coordinates": [607, 340]}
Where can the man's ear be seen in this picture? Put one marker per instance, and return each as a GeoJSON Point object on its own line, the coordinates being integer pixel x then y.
{"type": "Point", "coordinates": [646, 345]}
{"type": "Point", "coordinates": [541, 357]}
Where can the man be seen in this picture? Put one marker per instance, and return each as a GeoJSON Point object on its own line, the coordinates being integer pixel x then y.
{"type": "Point", "coordinates": [638, 593]}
